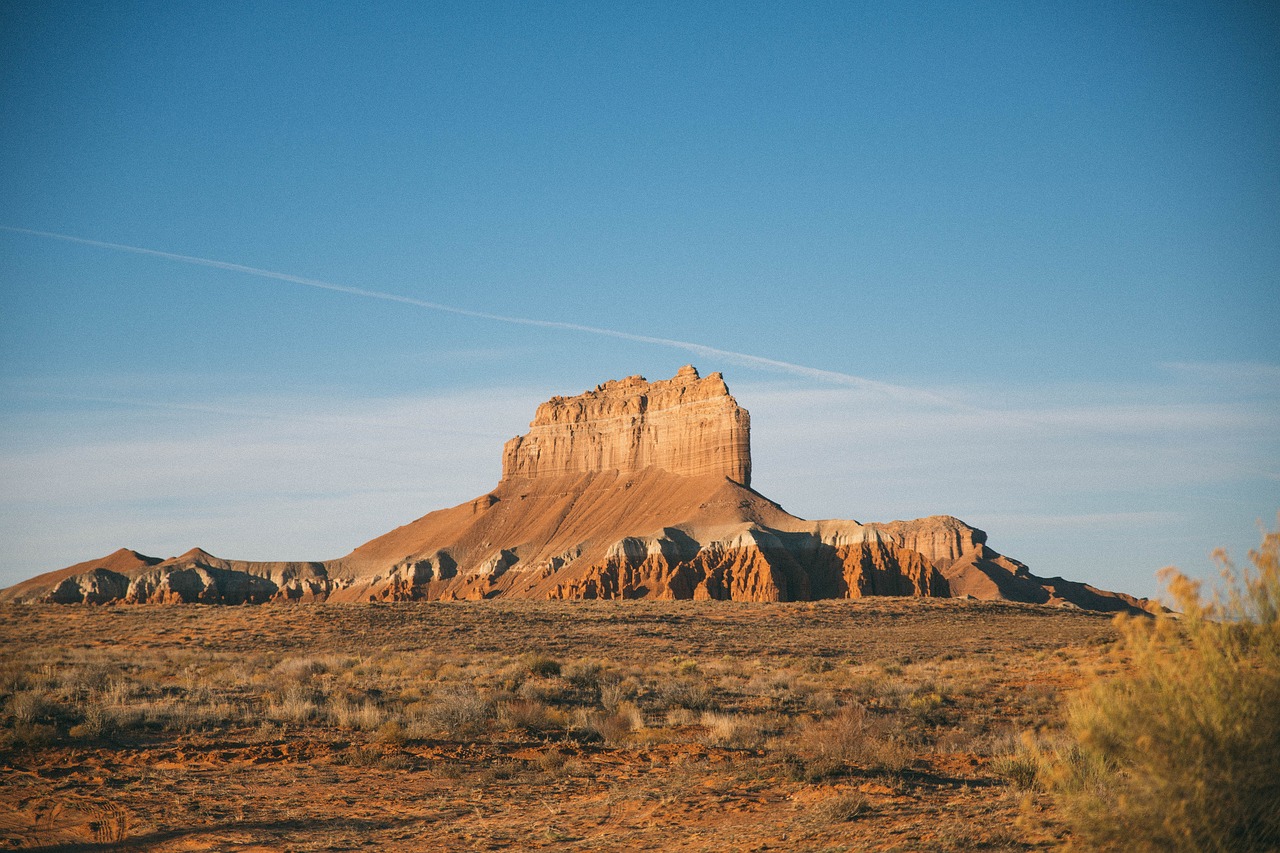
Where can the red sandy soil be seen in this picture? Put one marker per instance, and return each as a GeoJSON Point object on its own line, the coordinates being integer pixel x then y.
{"type": "Point", "coordinates": [204, 755]}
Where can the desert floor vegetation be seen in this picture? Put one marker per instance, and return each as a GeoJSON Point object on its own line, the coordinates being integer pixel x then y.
{"type": "Point", "coordinates": [1180, 749]}
{"type": "Point", "coordinates": [879, 724]}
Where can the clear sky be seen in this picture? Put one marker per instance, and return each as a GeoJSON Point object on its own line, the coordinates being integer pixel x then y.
{"type": "Point", "coordinates": [1048, 234]}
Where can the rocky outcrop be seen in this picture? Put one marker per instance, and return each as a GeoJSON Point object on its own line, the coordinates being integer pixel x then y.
{"type": "Point", "coordinates": [686, 425]}
{"type": "Point", "coordinates": [96, 586]}
{"type": "Point", "coordinates": [635, 489]}
{"type": "Point", "coordinates": [90, 582]}
{"type": "Point", "coordinates": [756, 564]}
{"type": "Point", "coordinates": [199, 584]}
{"type": "Point", "coordinates": [196, 577]}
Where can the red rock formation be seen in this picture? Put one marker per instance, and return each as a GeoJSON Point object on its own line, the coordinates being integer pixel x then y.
{"type": "Point", "coordinates": [78, 583]}
{"type": "Point", "coordinates": [686, 425]}
{"type": "Point", "coordinates": [632, 490]}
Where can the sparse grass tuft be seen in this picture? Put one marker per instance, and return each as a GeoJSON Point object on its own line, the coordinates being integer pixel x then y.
{"type": "Point", "coordinates": [541, 665]}
{"type": "Point", "coordinates": [372, 757]}
{"type": "Point", "coordinates": [852, 737]}
{"type": "Point", "coordinates": [460, 712]}
{"type": "Point", "coordinates": [842, 808]}
{"type": "Point", "coordinates": [533, 717]}
{"type": "Point", "coordinates": [31, 706]}
{"type": "Point", "coordinates": [732, 730]}
{"type": "Point", "coordinates": [359, 716]}
{"type": "Point", "coordinates": [297, 705]}
{"type": "Point", "coordinates": [691, 693]}
{"type": "Point", "coordinates": [614, 693]}
{"type": "Point", "coordinates": [584, 674]}
{"type": "Point", "coordinates": [614, 728]}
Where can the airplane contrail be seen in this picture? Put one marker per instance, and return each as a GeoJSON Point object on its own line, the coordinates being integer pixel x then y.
{"type": "Point", "coordinates": [899, 391]}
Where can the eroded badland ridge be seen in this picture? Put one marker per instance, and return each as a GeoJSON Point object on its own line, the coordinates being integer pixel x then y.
{"type": "Point", "coordinates": [634, 489]}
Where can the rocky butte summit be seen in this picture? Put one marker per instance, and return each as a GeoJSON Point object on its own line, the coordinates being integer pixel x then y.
{"type": "Point", "coordinates": [635, 489]}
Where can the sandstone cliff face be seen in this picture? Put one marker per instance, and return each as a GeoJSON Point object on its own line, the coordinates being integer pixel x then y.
{"type": "Point", "coordinates": [755, 564]}
{"type": "Point", "coordinates": [635, 489]}
{"type": "Point", "coordinates": [686, 425]}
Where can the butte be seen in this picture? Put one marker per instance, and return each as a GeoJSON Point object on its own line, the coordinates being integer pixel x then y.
{"type": "Point", "coordinates": [632, 490]}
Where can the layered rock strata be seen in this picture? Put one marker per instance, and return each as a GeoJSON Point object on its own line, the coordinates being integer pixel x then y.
{"type": "Point", "coordinates": [631, 490]}
{"type": "Point", "coordinates": [686, 425]}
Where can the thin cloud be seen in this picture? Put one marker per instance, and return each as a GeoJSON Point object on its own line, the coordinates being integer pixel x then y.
{"type": "Point", "coordinates": [260, 411]}
{"type": "Point", "coordinates": [746, 359]}
{"type": "Point", "coordinates": [1247, 375]}
{"type": "Point", "coordinates": [1082, 521]}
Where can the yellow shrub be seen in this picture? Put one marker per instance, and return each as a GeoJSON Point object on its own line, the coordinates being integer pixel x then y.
{"type": "Point", "coordinates": [1190, 734]}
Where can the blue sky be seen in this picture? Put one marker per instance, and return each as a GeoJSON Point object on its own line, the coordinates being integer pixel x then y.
{"type": "Point", "coordinates": [1049, 232]}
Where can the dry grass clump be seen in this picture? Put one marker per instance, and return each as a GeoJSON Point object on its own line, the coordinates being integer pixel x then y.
{"type": "Point", "coordinates": [613, 693]}
{"type": "Point", "coordinates": [583, 674]}
{"type": "Point", "coordinates": [852, 737]}
{"type": "Point", "coordinates": [549, 689]}
{"type": "Point", "coordinates": [738, 731]}
{"type": "Point", "coordinates": [98, 721]}
{"type": "Point", "coordinates": [460, 712]}
{"type": "Point", "coordinates": [392, 733]}
{"type": "Point", "coordinates": [1039, 762]}
{"type": "Point", "coordinates": [364, 716]}
{"type": "Point", "coordinates": [541, 665]}
{"type": "Point", "coordinates": [30, 706]}
{"type": "Point", "coordinates": [372, 757]}
{"type": "Point", "coordinates": [775, 684]}
{"type": "Point", "coordinates": [1189, 735]}
{"type": "Point", "coordinates": [612, 728]}
{"type": "Point", "coordinates": [180, 714]}
{"type": "Point", "coordinates": [297, 705]}
{"type": "Point", "coordinates": [842, 808]}
{"type": "Point", "coordinates": [300, 669]}
{"type": "Point", "coordinates": [684, 692]}
{"type": "Point", "coordinates": [532, 717]}
{"type": "Point", "coordinates": [31, 716]}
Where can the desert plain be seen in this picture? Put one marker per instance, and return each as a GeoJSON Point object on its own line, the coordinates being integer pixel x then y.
{"type": "Point", "coordinates": [867, 724]}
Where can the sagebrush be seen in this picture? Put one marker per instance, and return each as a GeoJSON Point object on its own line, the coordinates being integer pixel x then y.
{"type": "Point", "coordinates": [1188, 738]}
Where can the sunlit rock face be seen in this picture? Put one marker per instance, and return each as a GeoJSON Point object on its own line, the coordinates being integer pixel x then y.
{"type": "Point", "coordinates": [686, 425]}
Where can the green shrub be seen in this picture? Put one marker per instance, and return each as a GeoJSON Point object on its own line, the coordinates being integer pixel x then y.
{"type": "Point", "coordinates": [1191, 731]}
